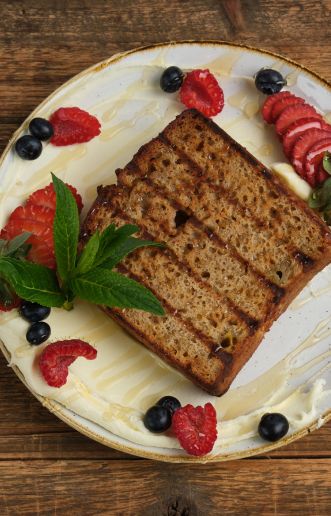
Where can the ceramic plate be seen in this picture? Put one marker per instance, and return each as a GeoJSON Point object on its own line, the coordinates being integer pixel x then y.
{"type": "Point", "coordinates": [106, 398]}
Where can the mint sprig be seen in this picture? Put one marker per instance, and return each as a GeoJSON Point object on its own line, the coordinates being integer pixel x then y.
{"type": "Point", "coordinates": [65, 230]}
{"type": "Point", "coordinates": [89, 275]}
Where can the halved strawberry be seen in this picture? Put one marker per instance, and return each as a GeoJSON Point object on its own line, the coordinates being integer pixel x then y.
{"type": "Point", "coordinates": [303, 144]}
{"type": "Point", "coordinates": [40, 252]}
{"type": "Point", "coordinates": [314, 158]}
{"type": "Point", "coordinates": [270, 102]}
{"type": "Point", "coordinates": [293, 113]}
{"type": "Point", "coordinates": [296, 128]}
{"type": "Point", "coordinates": [37, 220]}
{"type": "Point", "coordinates": [282, 104]}
{"type": "Point", "coordinates": [46, 197]}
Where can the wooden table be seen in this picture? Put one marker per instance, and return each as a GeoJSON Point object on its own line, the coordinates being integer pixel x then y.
{"type": "Point", "coordinates": [46, 468]}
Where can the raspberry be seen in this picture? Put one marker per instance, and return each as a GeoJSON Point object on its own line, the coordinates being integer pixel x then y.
{"type": "Point", "coordinates": [195, 428]}
{"type": "Point", "coordinates": [57, 357]}
{"type": "Point", "coordinates": [200, 90]}
{"type": "Point", "coordinates": [73, 125]}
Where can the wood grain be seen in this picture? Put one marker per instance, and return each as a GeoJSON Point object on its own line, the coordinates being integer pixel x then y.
{"type": "Point", "coordinates": [45, 467]}
{"type": "Point", "coordinates": [134, 488]}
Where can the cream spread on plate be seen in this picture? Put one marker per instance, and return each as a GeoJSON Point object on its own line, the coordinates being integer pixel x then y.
{"type": "Point", "coordinates": [290, 371]}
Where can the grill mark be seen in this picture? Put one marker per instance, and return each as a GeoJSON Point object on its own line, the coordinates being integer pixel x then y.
{"type": "Point", "coordinates": [306, 261]}
{"type": "Point", "coordinates": [272, 178]}
{"type": "Point", "coordinates": [290, 248]}
{"type": "Point", "coordinates": [277, 291]}
{"type": "Point", "coordinates": [251, 323]}
{"type": "Point", "coordinates": [199, 334]}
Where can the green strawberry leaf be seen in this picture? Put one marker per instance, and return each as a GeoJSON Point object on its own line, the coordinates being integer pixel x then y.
{"type": "Point", "coordinates": [32, 282]}
{"type": "Point", "coordinates": [104, 287]}
{"type": "Point", "coordinates": [65, 230]}
{"type": "Point", "coordinates": [87, 258]}
{"type": "Point", "coordinates": [327, 162]}
{"type": "Point", "coordinates": [121, 249]}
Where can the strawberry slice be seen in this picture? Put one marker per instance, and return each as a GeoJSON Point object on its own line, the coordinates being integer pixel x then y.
{"type": "Point", "coordinates": [296, 128]}
{"type": "Point", "coordinates": [40, 251]}
{"type": "Point", "coordinates": [303, 144]}
{"type": "Point", "coordinates": [46, 197]}
{"type": "Point", "coordinates": [293, 113]}
{"type": "Point", "coordinates": [270, 102]}
{"type": "Point", "coordinates": [282, 104]}
{"type": "Point", "coordinates": [314, 158]}
{"type": "Point", "coordinates": [37, 220]}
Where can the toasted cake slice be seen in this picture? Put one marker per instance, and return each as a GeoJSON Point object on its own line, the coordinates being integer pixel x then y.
{"type": "Point", "coordinates": [240, 247]}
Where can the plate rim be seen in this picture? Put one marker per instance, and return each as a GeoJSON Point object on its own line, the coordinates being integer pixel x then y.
{"type": "Point", "coordinates": [55, 407]}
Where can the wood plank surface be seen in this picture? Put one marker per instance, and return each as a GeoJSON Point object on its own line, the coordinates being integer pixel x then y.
{"type": "Point", "coordinates": [46, 468]}
{"type": "Point", "coordinates": [142, 487]}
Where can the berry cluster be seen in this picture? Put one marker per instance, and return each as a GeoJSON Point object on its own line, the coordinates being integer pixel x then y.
{"type": "Point", "coordinates": [194, 427]}
{"type": "Point", "coordinates": [29, 146]}
{"type": "Point", "coordinates": [199, 89]}
{"type": "Point", "coordinates": [66, 126]}
{"type": "Point", "coordinates": [39, 331]}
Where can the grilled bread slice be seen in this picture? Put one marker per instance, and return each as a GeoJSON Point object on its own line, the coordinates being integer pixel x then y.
{"type": "Point", "coordinates": [240, 247]}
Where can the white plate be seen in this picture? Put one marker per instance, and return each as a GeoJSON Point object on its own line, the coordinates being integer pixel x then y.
{"type": "Point", "coordinates": [105, 398]}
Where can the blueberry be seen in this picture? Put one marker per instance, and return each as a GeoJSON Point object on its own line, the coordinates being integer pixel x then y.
{"type": "Point", "coordinates": [170, 403]}
{"type": "Point", "coordinates": [269, 81]}
{"type": "Point", "coordinates": [273, 427]}
{"type": "Point", "coordinates": [41, 129]}
{"type": "Point", "coordinates": [28, 147]}
{"type": "Point", "coordinates": [34, 312]}
{"type": "Point", "coordinates": [157, 419]}
{"type": "Point", "coordinates": [171, 79]}
{"type": "Point", "coordinates": [38, 333]}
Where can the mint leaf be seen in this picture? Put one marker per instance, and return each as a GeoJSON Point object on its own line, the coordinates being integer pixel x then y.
{"type": "Point", "coordinates": [87, 258]}
{"type": "Point", "coordinates": [109, 288]}
{"type": "Point", "coordinates": [17, 242]}
{"type": "Point", "coordinates": [315, 199]}
{"type": "Point", "coordinates": [65, 230]}
{"type": "Point", "coordinates": [110, 239]}
{"type": "Point", "coordinates": [122, 248]}
{"type": "Point", "coordinates": [327, 162]}
{"type": "Point", "coordinates": [32, 282]}
{"type": "Point", "coordinates": [6, 294]}
{"type": "Point", "coordinates": [106, 237]}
